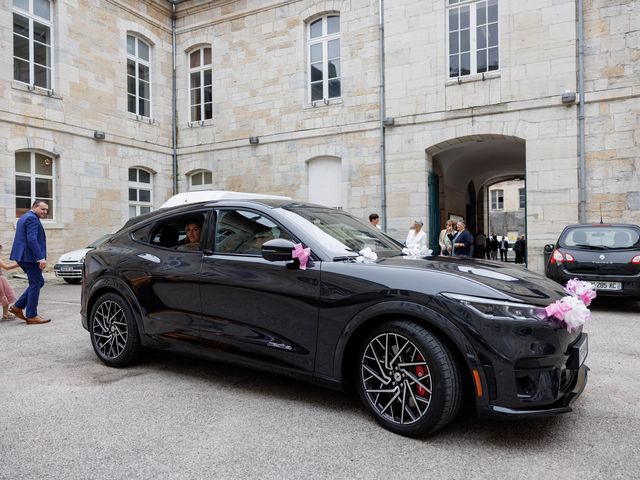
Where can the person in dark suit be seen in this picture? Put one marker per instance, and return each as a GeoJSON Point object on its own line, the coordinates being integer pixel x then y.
{"type": "Point", "coordinates": [30, 251]}
{"type": "Point", "coordinates": [504, 248]}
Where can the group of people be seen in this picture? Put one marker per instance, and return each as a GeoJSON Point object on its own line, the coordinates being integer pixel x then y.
{"type": "Point", "coordinates": [456, 240]}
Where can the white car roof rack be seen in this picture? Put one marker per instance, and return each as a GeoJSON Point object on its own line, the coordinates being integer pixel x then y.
{"type": "Point", "coordinates": [186, 198]}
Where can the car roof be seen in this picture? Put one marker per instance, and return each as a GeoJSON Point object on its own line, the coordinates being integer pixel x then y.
{"type": "Point", "coordinates": [579, 225]}
{"type": "Point", "coordinates": [266, 201]}
{"type": "Point", "coordinates": [211, 195]}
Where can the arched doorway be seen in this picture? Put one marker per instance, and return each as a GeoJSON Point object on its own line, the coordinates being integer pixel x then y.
{"type": "Point", "coordinates": [466, 168]}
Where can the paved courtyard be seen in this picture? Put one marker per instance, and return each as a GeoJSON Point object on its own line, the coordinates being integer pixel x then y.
{"type": "Point", "coordinates": [64, 415]}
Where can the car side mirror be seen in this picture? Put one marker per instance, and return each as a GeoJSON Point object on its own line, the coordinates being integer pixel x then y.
{"type": "Point", "coordinates": [548, 248]}
{"type": "Point", "coordinates": [277, 250]}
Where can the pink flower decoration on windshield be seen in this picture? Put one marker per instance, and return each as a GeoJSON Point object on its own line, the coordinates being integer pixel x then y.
{"type": "Point", "coordinates": [572, 310]}
{"type": "Point", "coordinates": [302, 254]}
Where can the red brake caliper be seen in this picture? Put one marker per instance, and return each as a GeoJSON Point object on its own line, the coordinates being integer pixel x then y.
{"type": "Point", "coordinates": [420, 372]}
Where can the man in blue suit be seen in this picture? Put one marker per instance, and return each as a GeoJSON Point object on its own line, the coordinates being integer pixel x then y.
{"type": "Point", "coordinates": [30, 251]}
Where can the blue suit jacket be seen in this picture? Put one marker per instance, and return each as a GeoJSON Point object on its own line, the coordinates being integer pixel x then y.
{"type": "Point", "coordinates": [30, 243]}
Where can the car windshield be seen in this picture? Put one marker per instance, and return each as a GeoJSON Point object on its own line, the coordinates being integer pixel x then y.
{"type": "Point", "coordinates": [601, 237]}
{"type": "Point", "coordinates": [341, 233]}
{"type": "Point", "coordinates": [100, 241]}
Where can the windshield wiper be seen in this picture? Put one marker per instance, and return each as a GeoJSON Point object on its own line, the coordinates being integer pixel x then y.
{"type": "Point", "coordinates": [344, 257]}
{"type": "Point", "coordinates": [596, 247]}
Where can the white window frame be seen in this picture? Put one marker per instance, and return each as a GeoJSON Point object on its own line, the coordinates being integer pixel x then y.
{"type": "Point", "coordinates": [138, 185]}
{"type": "Point", "coordinates": [137, 60]}
{"type": "Point", "coordinates": [203, 185]}
{"type": "Point", "coordinates": [201, 71]}
{"type": "Point", "coordinates": [496, 203]}
{"type": "Point", "coordinates": [471, 5]}
{"type": "Point", "coordinates": [32, 17]}
{"type": "Point", "coordinates": [324, 40]}
{"type": "Point", "coordinates": [33, 176]}
{"type": "Point", "coordinates": [522, 197]}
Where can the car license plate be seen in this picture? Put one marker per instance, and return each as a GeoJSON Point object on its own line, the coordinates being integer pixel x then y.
{"type": "Point", "coordinates": [66, 269]}
{"type": "Point", "coordinates": [578, 353]}
{"type": "Point", "coordinates": [607, 285]}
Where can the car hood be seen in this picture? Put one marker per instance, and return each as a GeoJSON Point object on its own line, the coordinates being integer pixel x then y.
{"type": "Point", "coordinates": [506, 280]}
{"type": "Point", "coordinates": [74, 256]}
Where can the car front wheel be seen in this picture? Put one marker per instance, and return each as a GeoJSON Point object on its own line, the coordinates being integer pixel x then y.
{"type": "Point", "coordinates": [113, 331]}
{"type": "Point", "coordinates": [408, 379]}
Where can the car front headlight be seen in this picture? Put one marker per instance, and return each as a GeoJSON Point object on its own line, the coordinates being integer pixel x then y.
{"type": "Point", "coordinates": [498, 309]}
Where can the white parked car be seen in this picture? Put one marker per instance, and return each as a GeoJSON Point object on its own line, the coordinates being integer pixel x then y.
{"type": "Point", "coordinates": [69, 265]}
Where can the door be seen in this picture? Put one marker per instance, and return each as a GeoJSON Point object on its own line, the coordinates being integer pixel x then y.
{"type": "Point", "coordinates": [166, 272]}
{"type": "Point", "coordinates": [253, 307]}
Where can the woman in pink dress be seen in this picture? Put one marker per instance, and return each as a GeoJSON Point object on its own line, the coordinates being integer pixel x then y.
{"type": "Point", "coordinates": [7, 295]}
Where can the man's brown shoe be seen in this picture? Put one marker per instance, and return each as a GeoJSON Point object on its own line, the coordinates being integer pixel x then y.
{"type": "Point", "coordinates": [36, 320]}
{"type": "Point", "coordinates": [17, 312]}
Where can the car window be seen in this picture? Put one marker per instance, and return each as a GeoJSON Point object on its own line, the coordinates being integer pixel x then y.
{"type": "Point", "coordinates": [179, 233]}
{"type": "Point", "coordinates": [601, 237]}
{"type": "Point", "coordinates": [244, 232]}
{"type": "Point", "coordinates": [341, 233]}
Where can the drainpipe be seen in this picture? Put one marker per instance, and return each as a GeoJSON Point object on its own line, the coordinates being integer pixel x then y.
{"type": "Point", "coordinates": [383, 183]}
{"type": "Point", "coordinates": [582, 170]}
{"type": "Point", "coordinates": [174, 123]}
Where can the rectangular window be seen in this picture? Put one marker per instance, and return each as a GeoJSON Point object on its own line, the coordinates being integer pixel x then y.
{"type": "Point", "coordinates": [473, 37]}
{"type": "Point", "coordinates": [497, 199]}
{"type": "Point", "coordinates": [32, 45]}
{"type": "Point", "coordinates": [324, 58]}
{"type": "Point", "coordinates": [523, 197]}
{"type": "Point", "coordinates": [200, 85]}
{"type": "Point", "coordinates": [138, 77]}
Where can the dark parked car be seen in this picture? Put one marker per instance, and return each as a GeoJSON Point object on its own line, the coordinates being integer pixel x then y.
{"type": "Point", "coordinates": [608, 256]}
{"type": "Point", "coordinates": [414, 336]}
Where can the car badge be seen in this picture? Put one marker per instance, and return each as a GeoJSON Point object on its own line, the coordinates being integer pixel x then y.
{"type": "Point", "coordinates": [601, 257]}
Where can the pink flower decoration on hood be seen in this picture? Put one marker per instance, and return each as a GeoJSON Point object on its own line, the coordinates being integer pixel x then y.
{"type": "Point", "coordinates": [302, 254]}
{"type": "Point", "coordinates": [585, 291]}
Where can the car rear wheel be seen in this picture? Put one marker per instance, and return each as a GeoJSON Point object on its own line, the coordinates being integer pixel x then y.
{"type": "Point", "coordinates": [113, 330]}
{"type": "Point", "coordinates": [408, 379]}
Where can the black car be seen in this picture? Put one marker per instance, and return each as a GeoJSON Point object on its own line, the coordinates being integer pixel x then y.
{"type": "Point", "coordinates": [415, 336]}
{"type": "Point", "coordinates": [606, 255]}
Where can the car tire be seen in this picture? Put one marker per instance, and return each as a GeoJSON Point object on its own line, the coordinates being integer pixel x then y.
{"type": "Point", "coordinates": [113, 330]}
{"type": "Point", "coordinates": [408, 379]}
{"type": "Point", "coordinates": [72, 281]}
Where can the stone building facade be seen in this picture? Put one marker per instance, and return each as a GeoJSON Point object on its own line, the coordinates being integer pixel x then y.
{"type": "Point", "coordinates": [284, 97]}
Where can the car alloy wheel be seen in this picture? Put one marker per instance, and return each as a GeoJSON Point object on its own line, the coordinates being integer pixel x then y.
{"type": "Point", "coordinates": [114, 334]}
{"type": "Point", "coordinates": [408, 379]}
{"type": "Point", "coordinates": [396, 378]}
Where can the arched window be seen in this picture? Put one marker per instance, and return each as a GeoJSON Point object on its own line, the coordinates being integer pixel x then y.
{"type": "Point", "coordinates": [200, 93]}
{"type": "Point", "coordinates": [32, 47]}
{"type": "Point", "coordinates": [325, 181]}
{"type": "Point", "coordinates": [138, 77]}
{"type": "Point", "coordinates": [323, 39]}
{"type": "Point", "coordinates": [35, 180]}
{"type": "Point", "coordinates": [201, 180]}
{"type": "Point", "coordinates": [140, 191]}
